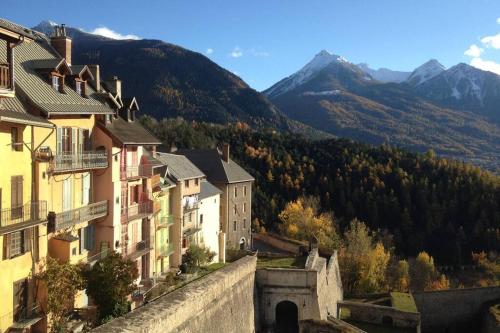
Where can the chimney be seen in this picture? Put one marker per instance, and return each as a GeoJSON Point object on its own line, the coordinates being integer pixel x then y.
{"type": "Point", "coordinates": [115, 86]}
{"type": "Point", "coordinates": [225, 152]}
{"type": "Point", "coordinates": [61, 43]}
{"type": "Point", "coordinates": [96, 73]}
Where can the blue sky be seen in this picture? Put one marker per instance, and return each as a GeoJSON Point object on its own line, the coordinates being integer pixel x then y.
{"type": "Point", "coordinates": [265, 40]}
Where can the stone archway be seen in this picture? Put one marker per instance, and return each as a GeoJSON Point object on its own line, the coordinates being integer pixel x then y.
{"type": "Point", "coordinates": [287, 317]}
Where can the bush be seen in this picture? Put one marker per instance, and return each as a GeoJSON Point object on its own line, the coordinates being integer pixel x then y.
{"type": "Point", "coordinates": [195, 257]}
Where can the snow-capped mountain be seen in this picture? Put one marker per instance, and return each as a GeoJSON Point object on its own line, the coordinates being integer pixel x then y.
{"type": "Point", "coordinates": [384, 74]}
{"type": "Point", "coordinates": [319, 62]}
{"type": "Point", "coordinates": [425, 72]}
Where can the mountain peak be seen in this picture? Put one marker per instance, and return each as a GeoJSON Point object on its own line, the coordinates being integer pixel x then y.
{"type": "Point", "coordinates": [425, 72]}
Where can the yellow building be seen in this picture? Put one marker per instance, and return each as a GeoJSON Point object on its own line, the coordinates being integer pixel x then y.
{"type": "Point", "coordinates": [23, 216]}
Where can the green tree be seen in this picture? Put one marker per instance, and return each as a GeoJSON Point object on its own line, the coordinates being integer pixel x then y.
{"type": "Point", "coordinates": [197, 256]}
{"type": "Point", "coordinates": [62, 281]}
{"type": "Point", "coordinates": [109, 282]}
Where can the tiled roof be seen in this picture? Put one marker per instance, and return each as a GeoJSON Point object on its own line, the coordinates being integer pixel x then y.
{"type": "Point", "coordinates": [129, 132]}
{"type": "Point", "coordinates": [13, 110]}
{"type": "Point", "coordinates": [179, 166]}
{"type": "Point", "coordinates": [215, 168]}
{"type": "Point", "coordinates": [207, 190]}
{"type": "Point", "coordinates": [18, 29]}
{"type": "Point", "coordinates": [29, 58]}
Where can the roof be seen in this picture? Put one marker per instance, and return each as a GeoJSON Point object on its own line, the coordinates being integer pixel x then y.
{"type": "Point", "coordinates": [20, 30]}
{"type": "Point", "coordinates": [67, 237]}
{"type": "Point", "coordinates": [215, 168]}
{"type": "Point", "coordinates": [179, 167]}
{"type": "Point", "coordinates": [129, 132]}
{"type": "Point", "coordinates": [12, 110]}
{"type": "Point", "coordinates": [208, 190]}
{"type": "Point", "coordinates": [29, 59]}
{"type": "Point", "coordinates": [153, 161]}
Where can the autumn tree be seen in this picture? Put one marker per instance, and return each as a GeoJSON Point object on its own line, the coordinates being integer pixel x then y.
{"type": "Point", "coordinates": [109, 282]}
{"type": "Point", "coordinates": [422, 272]}
{"type": "Point", "coordinates": [300, 220]}
{"type": "Point", "coordinates": [398, 275]}
{"type": "Point", "coordinates": [62, 281]}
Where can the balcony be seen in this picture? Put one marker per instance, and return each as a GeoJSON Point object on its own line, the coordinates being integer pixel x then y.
{"type": "Point", "coordinates": [165, 250]}
{"type": "Point", "coordinates": [5, 76]}
{"type": "Point", "coordinates": [164, 222]}
{"type": "Point", "coordinates": [67, 162]}
{"type": "Point", "coordinates": [137, 211]}
{"type": "Point", "coordinates": [27, 215]}
{"type": "Point", "coordinates": [138, 249]}
{"type": "Point", "coordinates": [22, 319]}
{"type": "Point", "coordinates": [189, 207]}
{"type": "Point", "coordinates": [83, 214]}
{"type": "Point", "coordinates": [136, 171]}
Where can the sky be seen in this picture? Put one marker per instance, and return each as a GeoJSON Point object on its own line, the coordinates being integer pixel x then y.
{"type": "Point", "coordinates": [263, 41]}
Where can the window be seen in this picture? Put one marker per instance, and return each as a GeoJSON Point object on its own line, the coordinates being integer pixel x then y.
{"type": "Point", "coordinates": [190, 217]}
{"type": "Point", "coordinates": [16, 243]}
{"type": "Point", "coordinates": [201, 219]}
{"type": "Point", "coordinates": [186, 183]}
{"type": "Point", "coordinates": [15, 140]}
{"type": "Point", "coordinates": [244, 191]}
{"type": "Point", "coordinates": [235, 209]}
{"type": "Point", "coordinates": [234, 225]}
{"type": "Point", "coordinates": [20, 298]}
{"type": "Point", "coordinates": [244, 207]}
{"type": "Point", "coordinates": [235, 192]}
{"type": "Point", "coordinates": [244, 223]}
{"type": "Point", "coordinates": [56, 82]}
{"type": "Point", "coordinates": [16, 196]}
{"type": "Point", "coordinates": [78, 88]}
{"type": "Point", "coordinates": [196, 181]}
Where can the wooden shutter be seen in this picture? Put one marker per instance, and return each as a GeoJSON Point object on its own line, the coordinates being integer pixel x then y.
{"type": "Point", "coordinates": [16, 198]}
{"type": "Point", "coordinates": [74, 140]}
{"type": "Point", "coordinates": [59, 140]}
{"type": "Point", "coordinates": [6, 246]}
{"type": "Point", "coordinates": [27, 234]}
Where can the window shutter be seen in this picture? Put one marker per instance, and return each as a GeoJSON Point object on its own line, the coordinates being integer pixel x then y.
{"type": "Point", "coordinates": [6, 246]}
{"type": "Point", "coordinates": [59, 140]}
{"type": "Point", "coordinates": [27, 240]}
{"type": "Point", "coordinates": [74, 140]}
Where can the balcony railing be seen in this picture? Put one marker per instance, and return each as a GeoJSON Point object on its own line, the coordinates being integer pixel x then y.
{"type": "Point", "coordinates": [191, 206]}
{"type": "Point", "coordinates": [138, 249]}
{"type": "Point", "coordinates": [4, 76]}
{"type": "Point", "coordinates": [165, 221]}
{"type": "Point", "coordinates": [64, 162]}
{"type": "Point", "coordinates": [32, 212]}
{"type": "Point", "coordinates": [165, 250]}
{"type": "Point", "coordinates": [23, 318]}
{"type": "Point", "coordinates": [136, 171]}
{"type": "Point", "coordinates": [87, 213]}
{"type": "Point", "coordinates": [137, 211]}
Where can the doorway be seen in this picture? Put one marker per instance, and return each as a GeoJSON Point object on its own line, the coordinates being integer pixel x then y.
{"type": "Point", "coordinates": [287, 317]}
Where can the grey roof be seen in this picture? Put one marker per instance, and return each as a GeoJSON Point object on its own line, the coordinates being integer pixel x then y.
{"type": "Point", "coordinates": [179, 167]}
{"type": "Point", "coordinates": [18, 29]}
{"type": "Point", "coordinates": [129, 132]}
{"type": "Point", "coordinates": [215, 168]}
{"type": "Point", "coordinates": [208, 190]}
{"type": "Point", "coordinates": [12, 110]}
{"type": "Point", "coordinates": [28, 60]}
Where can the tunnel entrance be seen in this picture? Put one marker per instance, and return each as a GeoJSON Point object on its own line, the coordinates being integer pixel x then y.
{"type": "Point", "coordinates": [287, 317]}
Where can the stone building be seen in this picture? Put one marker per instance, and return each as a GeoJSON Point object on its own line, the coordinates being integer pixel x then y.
{"type": "Point", "coordinates": [236, 197]}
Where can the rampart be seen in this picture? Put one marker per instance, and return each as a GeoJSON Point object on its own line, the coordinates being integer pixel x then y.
{"type": "Point", "coordinates": [457, 310]}
{"type": "Point", "coordinates": [218, 302]}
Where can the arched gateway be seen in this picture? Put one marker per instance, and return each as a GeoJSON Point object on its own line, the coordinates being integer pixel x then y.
{"type": "Point", "coordinates": [287, 317]}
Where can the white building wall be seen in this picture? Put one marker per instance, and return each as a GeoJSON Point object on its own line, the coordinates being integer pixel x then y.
{"type": "Point", "coordinates": [209, 208]}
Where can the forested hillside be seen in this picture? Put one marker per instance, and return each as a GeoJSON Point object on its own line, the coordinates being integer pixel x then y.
{"type": "Point", "coordinates": [446, 208]}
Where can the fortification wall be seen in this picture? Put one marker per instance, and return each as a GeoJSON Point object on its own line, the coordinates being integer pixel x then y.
{"type": "Point", "coordinates": [329, 289]}
{"type": "Point", "coordinates": [279, 242]}
{"type": "Point", "coordinates": [218, 302]}
{"type": "Point", "coordinates": [457, 310]}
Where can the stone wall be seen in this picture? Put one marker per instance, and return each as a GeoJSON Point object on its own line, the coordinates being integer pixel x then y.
{"type": "Point", "coordinates": [219, 302]}
{"type": "Point", "coordinates": [291, 246]}
{"type": "Point", "coordinates": [458, 310]}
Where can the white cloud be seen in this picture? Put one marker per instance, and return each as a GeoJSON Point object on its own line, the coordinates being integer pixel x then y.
{"type": "Point", "coordinates": [259, 53]}
{"type": "Point", "coordinates": [486, 65]}
{"type": "Point", "coordinates": [491, 41]}
{"type": "Point", "coordinates": [474, 51]}
{"type": "Point", "coordinates": [209, 51]}
{"type": "Point", "coordinates": [236, 53]}
{"type": "Point", "coordinates": [498, 20]}
{"type": "Point", "coordinates": [106, 32]}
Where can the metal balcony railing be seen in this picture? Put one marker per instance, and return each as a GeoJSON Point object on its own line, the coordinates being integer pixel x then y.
{"type": "Point", "coordinates": [136, 171]}
{"type": "Point", "coordinates": [29, 315]}
{"type": "Point", "coordinates": [87, 213]}
{"type": "Point", "coordinates": [5, 76]}
{"type": "Point", "coordinates": [138, 249]}
{"type": "Point", "coordinates": [64, 162]}
{"type": "Point", "coordinates": [165, 250]}
{"type": "Point", "coordinates": [30, 212]}
{"type": "Point", "coordinates": [191, 206]}
{"type": "Point", "coordinates": [165, 221]}
{"type": "Point", "coordinates": [137, 211]}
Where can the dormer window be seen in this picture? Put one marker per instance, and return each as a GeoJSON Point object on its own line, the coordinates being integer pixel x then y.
{"type": "Point", "coordinates": [55, 82]}
{"type": "Point", "coordinates": [79, 88]}
{"type": "Point", "coordinates": [58, 82]}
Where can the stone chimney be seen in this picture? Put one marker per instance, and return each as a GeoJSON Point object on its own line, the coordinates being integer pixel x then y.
{"type": "Point", "coordinates": [225, 152]}
{"type": "Point", "coordinates": [115, 86]}
{"type": "Point", "coordinates": [61, 42]}
{"type": "Point", "coordinates": [96, 73]}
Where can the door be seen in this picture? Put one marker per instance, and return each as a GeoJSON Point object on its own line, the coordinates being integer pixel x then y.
{"type": "Point", "coordinates": [16, 198]}
{"type": "Point", "coordinates": [67, 197]}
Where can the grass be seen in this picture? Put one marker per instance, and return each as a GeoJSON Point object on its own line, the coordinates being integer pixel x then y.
{"type": "Point", "coordinates": [288, 262]}
{"type": "Point", "coordinates": [403, 302]}
{"type": "Point", "coordinates": [374, 328]}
